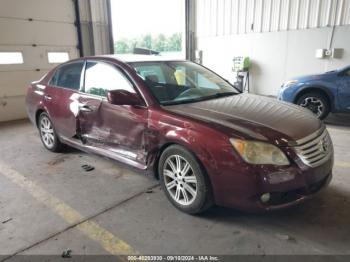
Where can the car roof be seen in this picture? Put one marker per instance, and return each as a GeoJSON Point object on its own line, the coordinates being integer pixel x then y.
{"type": "Point", "coordinates": [130, 58]}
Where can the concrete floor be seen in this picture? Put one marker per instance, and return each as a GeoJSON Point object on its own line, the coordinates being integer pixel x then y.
{"type": "Point", "coordinates": [49, 204]}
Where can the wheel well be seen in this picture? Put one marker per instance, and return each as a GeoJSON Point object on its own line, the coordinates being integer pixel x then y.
{"type": "Point", "coordinates": [159, 153]}
{"type": "Point", "coordinates": [165, 146]}
{"type": "Point", "coordinates": [37, 115]}
{"type": "Point", "coordinates": [314, 90]}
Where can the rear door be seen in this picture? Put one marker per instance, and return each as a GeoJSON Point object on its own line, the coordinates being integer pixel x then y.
{"type": "Point", "coordinates": [62, 98]}
{"type": "Point", "coordinates": [120, 129]}
{"type": "Point", "coordinates": [344, 91]}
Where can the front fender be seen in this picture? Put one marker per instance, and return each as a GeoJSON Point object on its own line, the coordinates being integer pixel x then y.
{"type": "Point", "coordinates": [301, 88]}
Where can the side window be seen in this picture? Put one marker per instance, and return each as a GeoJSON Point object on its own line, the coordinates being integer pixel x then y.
{"type": "Point", "coordinates": [68, 76]}
{"type": "Point", "coordinates": [102, 77]}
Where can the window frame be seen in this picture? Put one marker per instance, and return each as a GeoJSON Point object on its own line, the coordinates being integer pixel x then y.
{"type": "Point", "coordinates": [118, 68]}
{"type": "Point", "coordinates": [82, 79]}
{"type": "Point", "coordinates": [49, 82]}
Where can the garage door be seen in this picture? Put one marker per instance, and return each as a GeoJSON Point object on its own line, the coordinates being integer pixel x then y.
{"type": "Point", "coordinates": [31, 35]}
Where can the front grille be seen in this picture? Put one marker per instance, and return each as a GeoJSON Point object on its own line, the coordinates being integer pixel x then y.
{"type": "Point", "coordinates": [315, 149]}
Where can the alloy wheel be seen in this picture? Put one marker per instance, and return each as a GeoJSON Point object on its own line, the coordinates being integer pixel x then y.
{"type": "Point", "coordinates": [47, 132]}
{"type": "Point", "coordinates": [314, 104]}
{"type": "Point", "coordinates": [180, 180]}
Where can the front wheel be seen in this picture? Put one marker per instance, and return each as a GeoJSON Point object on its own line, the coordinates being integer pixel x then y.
{"type": "Point", "coordinates": [316, 103]}
{"type": "Point", "coordinates": [184, 181]}
{"type": "Point", "coordinates": [48, 134]}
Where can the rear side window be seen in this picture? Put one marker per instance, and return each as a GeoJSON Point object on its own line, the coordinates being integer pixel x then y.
{"type": "Point", "coordinates": [102, 77]}
{"type": "Point", "coordinates": [68, 76]}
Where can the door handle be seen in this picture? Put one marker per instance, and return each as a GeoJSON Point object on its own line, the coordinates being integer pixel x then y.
{"type": "Point", "coordinates": [47, 98]}
{"type": "Point", "coordinates": [86, 108]}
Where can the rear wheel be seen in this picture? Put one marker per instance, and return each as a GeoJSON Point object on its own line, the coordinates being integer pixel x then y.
{"type": "Point", "coordinates": [184, 181]}
{"type": "Point", "coordinates": [48, 134]}
{"type": "Point", "coordinates": [316, 103]}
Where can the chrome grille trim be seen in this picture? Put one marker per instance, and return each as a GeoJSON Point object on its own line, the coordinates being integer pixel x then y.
{"type": "Point", "coordinates": [315, 149]}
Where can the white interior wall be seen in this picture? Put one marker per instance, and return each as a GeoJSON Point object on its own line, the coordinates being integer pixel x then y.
{"type": "Point", "coordinates": [276, 56]}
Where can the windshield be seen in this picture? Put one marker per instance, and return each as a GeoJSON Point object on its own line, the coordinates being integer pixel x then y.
{"type": "Point", "coordinates": [181, 82]}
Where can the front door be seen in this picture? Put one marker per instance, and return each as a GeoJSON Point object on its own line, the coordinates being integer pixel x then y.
{"type": "Point", "coordinates": [344, 91]}
{"type": "Point", "coordinates": [118, 129]}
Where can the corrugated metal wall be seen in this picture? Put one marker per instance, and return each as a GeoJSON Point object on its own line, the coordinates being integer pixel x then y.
{"type": "Point", "coordinates": [95, 27]}
{"type": "Point", "coordinates": [227, 17]}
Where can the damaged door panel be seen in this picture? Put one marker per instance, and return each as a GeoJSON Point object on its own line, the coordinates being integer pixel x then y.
{"type": "Point", "coordinates": [88, 119]}
{"type": "Point", "coordinates": [119, 129]}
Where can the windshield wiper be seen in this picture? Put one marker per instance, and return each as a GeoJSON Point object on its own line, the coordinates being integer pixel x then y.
{"type": "Point", "coordinates": [199, 99]}
{"type": "Point", "coordinates": [222, 94]}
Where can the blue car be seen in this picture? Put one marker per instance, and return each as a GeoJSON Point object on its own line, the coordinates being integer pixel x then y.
{"type": "Point", "coordinates": [322, 94]}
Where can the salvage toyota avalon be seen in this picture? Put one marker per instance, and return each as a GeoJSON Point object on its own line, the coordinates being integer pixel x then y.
{"type": "Point", "coordinates": [206, 143]}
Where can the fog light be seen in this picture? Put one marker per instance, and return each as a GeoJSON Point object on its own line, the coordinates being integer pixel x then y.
{"type": "Point", "coordinates": [265, 197]}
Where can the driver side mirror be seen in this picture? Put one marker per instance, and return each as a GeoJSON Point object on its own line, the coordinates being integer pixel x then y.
{"type": "Point", "coordinates": [123, 97]}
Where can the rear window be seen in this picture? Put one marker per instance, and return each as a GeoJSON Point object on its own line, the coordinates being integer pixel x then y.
{"type": "Point", "coordinates": [68, 76]}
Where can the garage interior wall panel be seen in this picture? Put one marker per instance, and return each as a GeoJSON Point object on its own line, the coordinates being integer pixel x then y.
{"type": "Point", "coordinates": [279, 36]}
{"type": "Point", "coordinates": [256, 16]}
{"type": "Point", "coordinates": [34, 32]}
{"type": "Point", "coordinates": [276, 56]}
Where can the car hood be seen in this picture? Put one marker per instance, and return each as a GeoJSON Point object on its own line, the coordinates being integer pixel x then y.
{"type": "Point", "coordinates": [254, 116]}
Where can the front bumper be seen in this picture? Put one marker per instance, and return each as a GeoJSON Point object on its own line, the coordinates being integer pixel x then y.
{"type": "Point", "coordinates": [281, 200]}
{"type": "Point", "coordinates": [244, 190]}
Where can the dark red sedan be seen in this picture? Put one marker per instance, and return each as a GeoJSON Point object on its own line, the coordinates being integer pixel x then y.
{"type": "Point", "coordinates": [207, 143]}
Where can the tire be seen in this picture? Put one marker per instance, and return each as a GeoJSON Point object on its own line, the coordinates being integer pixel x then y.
{"type": "Point", "coordinates": [189, 190]}
{"type": "Point", "coordinates": [48, 134]}
{"type": "Point", "coordinates": [316, 103]}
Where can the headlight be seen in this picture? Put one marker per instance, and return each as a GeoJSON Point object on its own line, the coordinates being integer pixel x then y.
{"type": "Point", "coordinates": [289, 83]}
{"type": "Point", "coordinates": [259, 153]}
